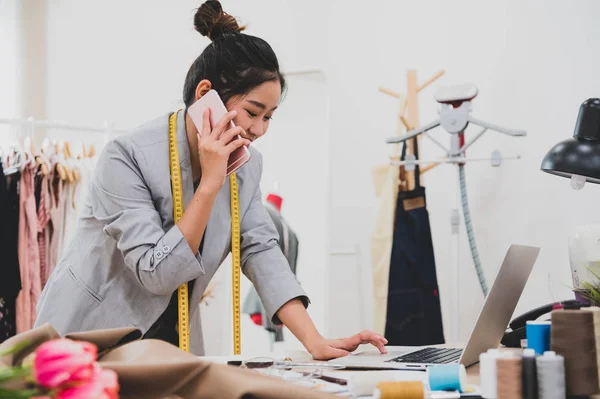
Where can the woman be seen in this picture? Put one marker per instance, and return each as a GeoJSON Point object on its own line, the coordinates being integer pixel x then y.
{"type": "Point", "coordinates": [128, 258]}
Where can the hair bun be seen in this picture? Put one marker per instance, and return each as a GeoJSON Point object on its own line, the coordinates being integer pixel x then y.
{"type": "Point", "coordinates": [211, 21]}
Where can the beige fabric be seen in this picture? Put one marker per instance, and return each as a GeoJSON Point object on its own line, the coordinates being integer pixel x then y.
{"type": "Point", "coordinates": [386, 179]}
{"type": "Point", "coordinates": [152, 369]}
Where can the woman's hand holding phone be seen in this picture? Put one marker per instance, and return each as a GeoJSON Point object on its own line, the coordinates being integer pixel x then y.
{"type": "Point", "coordinates": [215, 145]}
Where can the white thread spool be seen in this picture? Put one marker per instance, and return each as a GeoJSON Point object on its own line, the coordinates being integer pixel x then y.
{"type": "Point", "coordinates": [487, 372]}
{"type": "Point", "coordinates": [551, 376]}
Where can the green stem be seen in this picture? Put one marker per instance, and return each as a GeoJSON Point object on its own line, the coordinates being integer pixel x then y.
{"type": "Point", "coordinates": [26, 394]}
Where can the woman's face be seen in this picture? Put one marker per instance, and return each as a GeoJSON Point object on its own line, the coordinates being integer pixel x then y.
{"type": "Point", "coordinates": [255, 109]}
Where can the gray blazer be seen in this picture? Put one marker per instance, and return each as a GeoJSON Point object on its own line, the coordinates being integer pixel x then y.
{"type": "Point", "coordinates": [127, 256]}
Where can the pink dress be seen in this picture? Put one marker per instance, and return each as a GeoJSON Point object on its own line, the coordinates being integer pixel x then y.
{"type": "Point", "coordinates": [43, 232]}
{"type": "Point", "coordinates": [28, 254]}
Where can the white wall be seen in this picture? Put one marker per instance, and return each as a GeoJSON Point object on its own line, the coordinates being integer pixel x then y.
{"type": "Point", "coordinates": [533, 64]}
{"type": "Point", "coordinates": [8, 67]}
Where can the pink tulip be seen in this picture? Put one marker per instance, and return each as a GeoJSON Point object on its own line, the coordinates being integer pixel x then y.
{"type": "Point", "coordinates": [62, 361]}
{"type": "Point", "coordinates": [104, 384]}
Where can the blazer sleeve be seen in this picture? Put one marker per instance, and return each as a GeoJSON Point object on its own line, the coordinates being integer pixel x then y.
{"type": "Point", "coordinates": [122, 201]}
{"type": "Point", "coordinates": [262, 260]}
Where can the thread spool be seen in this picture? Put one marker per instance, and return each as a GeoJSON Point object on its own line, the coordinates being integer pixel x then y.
{"type": "Point", "coordinates": [508, 377]}
{"type": "Point", "coordinates": [596, 312]}
{"type": "Point", "coordinates": [551, 376]}
{"type": "Point", "coordinates": [447, 377]}
{"type": "Point", "coordinates": [538, 336]}
{"type": "Point", "coordinates": [574, 337]}
{"type": "Point", "coordinates": [365, 382]}
{"type": "Point", "coordinates": [529, 380]}
{"type": "Point", "coordinates": [487, 373]}
{"type": "Point", "coordinates": [400, 390]}
{"type": "Point", "coordinates": [409, 390]}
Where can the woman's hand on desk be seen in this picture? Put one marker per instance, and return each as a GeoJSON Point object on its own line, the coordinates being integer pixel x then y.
{"type": "Point", "coordinates": [295, 317]}
{"type": "Point", "coordinates": [325, 349]}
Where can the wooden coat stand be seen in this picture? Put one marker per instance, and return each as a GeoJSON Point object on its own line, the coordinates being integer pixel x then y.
{"type": "Point", "coordinates": [408, 119]}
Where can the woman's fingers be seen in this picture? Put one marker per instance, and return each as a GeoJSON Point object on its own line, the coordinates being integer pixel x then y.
{"type": "Point", "coordinates": [230, 134]}
{"type": "Point", "coordinates": [222, 125]}
{"type": "Point", "coordinates": [206, 123]}
{"type": "Point", "coordinates": [235, 144]}
{"type": "Point", "coordinates": [369, 337]}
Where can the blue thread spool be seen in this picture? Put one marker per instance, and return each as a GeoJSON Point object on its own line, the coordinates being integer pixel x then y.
{"type": "Point", "coordinates": [538, 336]}
{"type": "Point", "coordinates": [447, 377]}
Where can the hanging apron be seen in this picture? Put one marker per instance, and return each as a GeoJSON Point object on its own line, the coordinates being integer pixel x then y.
{"type": "Point", "coordinates": [413, 315]}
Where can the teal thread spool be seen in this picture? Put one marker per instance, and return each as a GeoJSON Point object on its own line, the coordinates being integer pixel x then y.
{"type": "Point", "coordinates": [447, 377]}
{"type": "Point", "coordinates": [538, 336]}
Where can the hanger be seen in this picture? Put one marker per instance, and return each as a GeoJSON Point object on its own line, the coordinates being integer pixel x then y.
{"type": "Point", "coordinates": [50, 147]}
{"type": "Point", "coordinates": [42, 165]}
{"type": "Point", "coordinates": [20, 161]}
{"type": "Point", "coordinates": [75, 174]}
{"type": "Point", "coordinates": [64, 149]}
{"type": "Point", "coordinates": [91, 151]}
{"type": "Point", "coordinates": [22, 158]}
{"type": "Point", "coordinates": [37, 160]}
{"type": "Point", "coordinates": [79, 152]}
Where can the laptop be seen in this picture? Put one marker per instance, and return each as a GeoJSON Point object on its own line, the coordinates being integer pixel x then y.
{"type": "Point", "coordinates": [487, 333]}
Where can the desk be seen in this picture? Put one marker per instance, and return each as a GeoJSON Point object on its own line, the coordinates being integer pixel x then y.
{"type": "Point", "coordinates": [303, 356]}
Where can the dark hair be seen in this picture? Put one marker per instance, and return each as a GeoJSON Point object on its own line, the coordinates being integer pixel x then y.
{"type": "Point", "coordinates": [234, 63]}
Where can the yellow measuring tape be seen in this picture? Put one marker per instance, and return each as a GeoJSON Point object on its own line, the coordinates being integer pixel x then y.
{"type": "Point", "coordinates": [236, 262]}
{"type": "Point", "coordinates": [182, 291]}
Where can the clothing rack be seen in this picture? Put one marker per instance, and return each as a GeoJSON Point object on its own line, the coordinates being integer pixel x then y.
{"type": "Point", "coordinates": [108, 130]}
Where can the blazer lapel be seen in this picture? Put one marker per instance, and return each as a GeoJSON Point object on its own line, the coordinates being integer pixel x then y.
{"type": "Point", "coordinates": [218, 230]}
{"type": "Point", "coordinates": [217, 242]}
{"type": "Point", "coordinates": [219, 227]}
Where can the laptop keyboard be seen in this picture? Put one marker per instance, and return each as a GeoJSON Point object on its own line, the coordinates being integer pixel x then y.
{"type": "Point", "coordinates": [430, 356]}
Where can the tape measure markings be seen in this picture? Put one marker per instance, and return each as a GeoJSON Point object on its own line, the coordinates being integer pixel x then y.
{"type": "Point", "coordinates": [182, 291]}
{"type": "Point", "coordinates": [183, 325]}
{"type": "Point", "coordinates": [236, 262]}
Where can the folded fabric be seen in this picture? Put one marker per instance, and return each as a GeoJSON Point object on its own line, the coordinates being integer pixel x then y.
{"type": "Point", "coordinates": [153, 369]}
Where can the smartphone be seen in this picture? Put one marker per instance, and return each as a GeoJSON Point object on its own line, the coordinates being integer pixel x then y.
{"type": "Point", "coordinates": [212, 101]}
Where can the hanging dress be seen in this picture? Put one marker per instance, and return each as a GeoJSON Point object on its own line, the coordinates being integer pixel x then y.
{"type": "Point", "coordinates": [29, 258]}
{"type": "Point", "coordinates": [10, 283]}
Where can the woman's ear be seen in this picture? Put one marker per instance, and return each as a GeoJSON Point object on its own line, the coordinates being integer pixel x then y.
{"type": "Point", "coordinates": [203, 87]}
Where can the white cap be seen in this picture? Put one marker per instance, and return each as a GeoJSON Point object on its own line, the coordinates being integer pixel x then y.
{"type": "Point", "coordinates": [528, 352]}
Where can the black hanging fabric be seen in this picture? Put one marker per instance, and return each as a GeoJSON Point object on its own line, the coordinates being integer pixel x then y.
{"type": "Point", "coordinates": [10, 273]}
{"type": "Point", "coordinates": [414, 314]}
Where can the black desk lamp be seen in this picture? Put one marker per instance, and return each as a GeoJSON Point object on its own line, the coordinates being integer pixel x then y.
{"type": "Point", "coordinates": [578, 158]}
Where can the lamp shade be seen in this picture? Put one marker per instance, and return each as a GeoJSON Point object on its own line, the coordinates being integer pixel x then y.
{"type": "Point", "coordinates": [579, 155]}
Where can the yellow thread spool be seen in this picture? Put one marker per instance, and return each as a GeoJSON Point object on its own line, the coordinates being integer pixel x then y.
{"type": "Point", "coordinates": [400, 390]}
